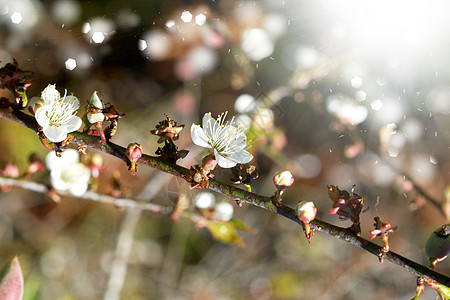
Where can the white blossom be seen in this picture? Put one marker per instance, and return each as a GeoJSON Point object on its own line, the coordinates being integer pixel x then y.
{"type": "Point", "coordinates": [67, 173]}
{"type": "Point", "coordinates": [228, 141]}
{"type": "Point", "coordinates": [57, 116]}
{"type": "Point", "coordinates": [223, 211]}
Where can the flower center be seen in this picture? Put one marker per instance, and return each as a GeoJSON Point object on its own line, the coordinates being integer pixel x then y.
{"type": "Point", "coordinates": [225, 136]}
{"type": "Point", "coordinates": [61, 111]}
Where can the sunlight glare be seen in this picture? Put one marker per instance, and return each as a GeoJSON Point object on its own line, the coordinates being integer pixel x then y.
{"type": "Point", "coordinates": [392, 27]}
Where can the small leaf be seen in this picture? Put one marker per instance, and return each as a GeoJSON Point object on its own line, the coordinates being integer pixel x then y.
{"type": "Point", "coordinates": [11, 281]}
{"type": "Point", "coordinates": [440, 288]}
{"type": "Point", "coordinates": [225, 232]}
{"type": "Point", "coordinates": [242, 226]}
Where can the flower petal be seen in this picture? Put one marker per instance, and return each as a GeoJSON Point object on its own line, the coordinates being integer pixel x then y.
{"type": "Point", "coordinates": [68, 157]}
{"type": "Point", "coordinates": [50, 94]}
{"type": "Point", "coordinates": [78, 189]}
{"type": "Point", "coordinates": [73, 124]}
{"type": "Point", "coordinates": [198, 136]}
{"type": "Point", "coordinates": [41, 116]}
{"type": "Point", "coordinates": [223, 162]}
{"type": "Point", "coordinates": [94, 118]}
{"type": "Point", "coordinates": [210, 126]}
{"type": "Point", "coordinates": [73, 100]}
{"type": "Point", "coordinates": [241, 157]}
{"type": "Point", "coordinates": [55, 134]}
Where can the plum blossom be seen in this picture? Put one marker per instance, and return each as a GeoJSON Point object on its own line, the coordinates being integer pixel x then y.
{"type": "Point", "coordinates": [57, 115]}
{"type": "Point", "coordinates": [228, 141]}
{"type": "Point", "coordinates": [67, 173]}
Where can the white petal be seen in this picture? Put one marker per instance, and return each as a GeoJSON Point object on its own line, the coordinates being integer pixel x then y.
{"type": "Point", "coordinates": [73, 124]}
{"type": "Point", "coordinates": [58, 183]}
{"type": "Point", "coordinates": [223, 162]}
{"type": "Point", "coordinates": [68, 157]}
{"type": "Point", "coordinates": [78, 189]}
{"type": "Point", "coordinates": [94, 118]}
{"type": "Point", "coordinates": [198, 136]}
{"type": "Point", "coordinates": [207, 118]}
{"type": "Point", "coordinates": [41, 116]}
{"type": "Point", "coordinates": [95, 101]}
{"type": "Point", "coordinates": [241, 157]}
{"type": "Point", "coordinates": [74, 100]}
{"type": "Point", "coordinates": [55, 134]}
{"type": "Point", "coordinates": [210, 125]}
{"type": "Point", "coordinates": [50, 94]}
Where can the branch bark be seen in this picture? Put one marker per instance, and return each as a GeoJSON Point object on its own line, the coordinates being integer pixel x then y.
{"type": "Point", "coordinates": [236, 193]}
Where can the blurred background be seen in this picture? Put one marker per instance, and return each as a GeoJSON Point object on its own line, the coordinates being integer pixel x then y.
{"type": "Point", "coordinates": [343, 93]}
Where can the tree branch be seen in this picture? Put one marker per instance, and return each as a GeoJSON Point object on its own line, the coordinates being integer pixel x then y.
{"type": "Point", "coordinates": [236, 193]}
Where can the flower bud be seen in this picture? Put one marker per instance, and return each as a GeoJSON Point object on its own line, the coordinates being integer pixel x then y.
{"type": "Point", "coordinates": [134, 152]}
{"type": "Point", "coordinates": [306, 211]}
{"type": "Point", "coordinates": [283, 179]}
{"type": "Point", "coordinates": [438, 244]}
{"type": "Point", "coordinates": [95, 115]}
{"type": "Point", "coordinates": [10, 170]}
{"type": "Point", "coordinates": [95, 101]}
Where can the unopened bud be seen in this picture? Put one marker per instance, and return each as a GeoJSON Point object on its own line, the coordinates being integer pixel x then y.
{"type": "Point", "coordinates": [94, 110]}
{"type": "Point", "coordinates": [306, 212]}
{"type": "Point", "coordinates": [283, 179]}
{"type": "Point", "coordinates": [95, 101]}
{"type": "Point", "coordinates": [134, 152]}
{"type": "Point", "coordinates": [11, 170]}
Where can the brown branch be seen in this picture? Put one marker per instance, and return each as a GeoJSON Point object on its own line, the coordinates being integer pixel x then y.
{"type": "Point", "coordinates": [241, 195]}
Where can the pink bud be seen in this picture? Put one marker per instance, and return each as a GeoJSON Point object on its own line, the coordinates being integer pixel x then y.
{"type": "Point", "coordinates": [134, 152]}
{"type": "Point", "coordinates": [283, 179]}
{"type": "Point", "coordinates": [306, 211]}
{"type": "Point", "coordinates": [11, 170]}
{"type": "Point", "coordinates": [11, 284]}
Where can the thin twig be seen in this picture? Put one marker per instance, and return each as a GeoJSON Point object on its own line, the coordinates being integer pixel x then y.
{"type": "Point", "coordinates": [125, 239]}
{"type": "Point", "coordinates": [242, 195]}
{"type": "Point", "coordinates": [89, 195]}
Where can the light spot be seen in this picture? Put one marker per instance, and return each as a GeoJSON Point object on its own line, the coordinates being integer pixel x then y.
{"type": "Point", "coordinates": [356, 82]}
{"type": "Point", "coordinates": [66, 11]}
{"type": "Point", "coordinates": [204, 200]}
{"type": "Point", "coordinates": [186, 16]}
{"type": "Point", "coordinates": [376, 105]}
{"type": "Point", "coordinates": [256, 43]}
{"type": "Point", "coordinates": [170, 23]}
{"type": "Point", "coordinates": [16, 18]}
{"type": "Point", "coordinates": [360, 96]}
{"type": "Point", "coordinates": [98, 37]}
{"type": "Point", "coordinates": [86, 27]}
{"type": "Point", "coordinates": [200, 19]}
{"type": "Point", "coordinates": [142, 45]}
{"type": "Point", "coordinates": [245, 104]}
{"type": "Point", "coordinates": [71, 64]}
